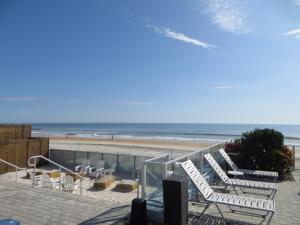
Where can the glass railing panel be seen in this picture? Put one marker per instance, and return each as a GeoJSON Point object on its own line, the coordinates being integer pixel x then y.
{"type": "Point", "coordinates": [154, 176]}
{"type": "Point", "coordinates": [68, 159]}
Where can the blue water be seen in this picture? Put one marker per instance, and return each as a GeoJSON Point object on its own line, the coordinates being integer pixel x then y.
{"type": "Point", "coordinates": [181, 131]}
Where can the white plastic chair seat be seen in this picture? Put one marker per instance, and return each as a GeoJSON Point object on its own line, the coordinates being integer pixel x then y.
{"type": "Point", "coordinates": [241, 201]}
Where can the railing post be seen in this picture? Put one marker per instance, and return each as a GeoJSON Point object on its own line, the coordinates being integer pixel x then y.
{"type": "Point", "coordinates": [33, 178]}
{"type": "Point", "coordinates": [144, 175]}
{"type": "Point", "coordinates": [201, 163]}
{"type": "Point", "coordinates": [138, 188]}
{"type": "Point", "coordinates": [294, 157]}
{"type": "Point", "coordinates": [80, 186]}
{"type": "Point", "coordinates": [165, 172]}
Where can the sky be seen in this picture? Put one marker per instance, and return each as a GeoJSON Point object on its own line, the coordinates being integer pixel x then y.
{"type": "Point", "coordinates": [194, 61]}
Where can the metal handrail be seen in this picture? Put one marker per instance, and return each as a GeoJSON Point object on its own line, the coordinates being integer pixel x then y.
{"type": "Point", "coordinates": [195, 153]}
{"type": "Point", "coordinates": [54, 163]}
{"type": "Point", "coordinates": [15, 166]}
{"type": "Point", "coordinates": [157, 158]}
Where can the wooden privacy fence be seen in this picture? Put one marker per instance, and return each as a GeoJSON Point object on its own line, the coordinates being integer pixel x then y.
{"type": "Point", "coordinates": [17, 146]}
{"type": "Point", "coordinates": [13, 132]}
{"type": "Point", "coordinates": [18, 152]}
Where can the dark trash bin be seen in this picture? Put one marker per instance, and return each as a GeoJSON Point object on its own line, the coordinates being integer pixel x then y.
{"type": "Point", "coordinates": [175, 191]}
{"type": "Point", "coordinates": [138, 214]}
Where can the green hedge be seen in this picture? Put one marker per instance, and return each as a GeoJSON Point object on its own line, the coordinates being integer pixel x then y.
{"type": "Point", "coordinates": [262, 149]}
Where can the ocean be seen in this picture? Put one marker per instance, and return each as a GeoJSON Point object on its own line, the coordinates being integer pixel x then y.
{"type": "Point", "coordinates": [170, 131]}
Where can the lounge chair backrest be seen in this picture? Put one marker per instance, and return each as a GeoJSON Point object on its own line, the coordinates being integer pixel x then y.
{"type": "Point", "coordinates": [68, 182]}
{"type": "Point", "coordinates": [220, 172]}
{"type": "Point", "coordinates": [228, 159]}
{"type": "Point", "coordinates": [197, 179]}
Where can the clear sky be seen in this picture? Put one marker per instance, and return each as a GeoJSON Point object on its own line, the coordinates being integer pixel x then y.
{"type": "Point", "coordinates": [232, 61]}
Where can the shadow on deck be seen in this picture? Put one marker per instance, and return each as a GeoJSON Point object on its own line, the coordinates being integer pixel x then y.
{"type": "Point", "coordinates": [212, 220]}
{"type": "Point", "coordinates": [111, 216]}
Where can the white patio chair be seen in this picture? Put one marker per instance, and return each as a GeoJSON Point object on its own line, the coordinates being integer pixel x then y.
{"type": "Point", "coordinates": [95, 172]}
{"type": "Point", "coordinates": [239, 182]}
{"type": "Point", "coordinates": [48, 183]}
{"type": "Point", "coordinates": [211, 197]}
{"type": "Point", "coordinates": [110, 170]}
{"type": "Point", "coordinates": [69, 185]}
{"type": "Point", "coordinates": [84, 167]}
{"type": "Point", "coordinates": [257, 173]}
{"type": "Point", "coordinates": [37, 181]}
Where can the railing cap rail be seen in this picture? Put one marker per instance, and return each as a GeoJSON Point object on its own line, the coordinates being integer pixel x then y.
{"type": "Point", "coordinates": [156, 158]}
{"type": "Point", "coordinates": [194, 153]}
{"type": "Point", "coordinates": [40, 156]}
{"type": "Point", "coordinates": [10, 164]}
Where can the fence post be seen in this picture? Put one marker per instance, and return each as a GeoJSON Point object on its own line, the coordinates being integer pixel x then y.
{"type": "Point", "coordinates": [134, 165]}
{"type": "Point", "coordinates": [144, 175]}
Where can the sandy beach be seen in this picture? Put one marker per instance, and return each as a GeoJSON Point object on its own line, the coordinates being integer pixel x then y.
{"type": "Point", "coordinates": [146, 143]}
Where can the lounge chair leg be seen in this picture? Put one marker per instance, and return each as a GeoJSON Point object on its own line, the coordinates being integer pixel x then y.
{"type": "Point", "coordinates": [269, 220]}
{"type": "Point", "coordinates": [235, 191]}
{"type": "Point", "coordinates": [206, 207]}
{"type": "Point", "coordinates": [272, 196]}
{"type": "Point", "coordinates": [220, 212]}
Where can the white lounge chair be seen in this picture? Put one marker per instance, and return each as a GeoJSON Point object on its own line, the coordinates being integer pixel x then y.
{"type": "Point", "coordinates": [69, 184]}
{"type": "Point", "coordinates": [48, 183]}
{"type": "Point", "coordinates": [109, 170]}
{"type": "Point", "coordinates": [211, 197]}
{"type": "Point", "coordinates": [258, 173]}
{"type": "Point", "coordinates": [96, 172]}
{"type": "Point", "coordinates": [84, 167]}
{"type": "Point", "coordinates": [238, 182]}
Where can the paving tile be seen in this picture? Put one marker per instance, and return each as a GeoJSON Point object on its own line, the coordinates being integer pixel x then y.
{"type": "Point", "coordinates": [44, 207]}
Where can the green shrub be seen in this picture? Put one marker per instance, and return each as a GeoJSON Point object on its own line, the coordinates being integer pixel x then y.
{"type": "Point", "coordinates": [262, 149]}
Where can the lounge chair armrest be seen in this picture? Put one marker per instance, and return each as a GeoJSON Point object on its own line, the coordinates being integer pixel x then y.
{"type": "Point", "coordinates": [90, 168]}
{"type": "Point", "coordinates": [98, 170]}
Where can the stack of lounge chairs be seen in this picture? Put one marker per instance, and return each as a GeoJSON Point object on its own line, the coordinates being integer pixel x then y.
{"type": "Point", "coordinates": [255, 173]}
{"type": "Point", "coordinates": [236, 203]}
